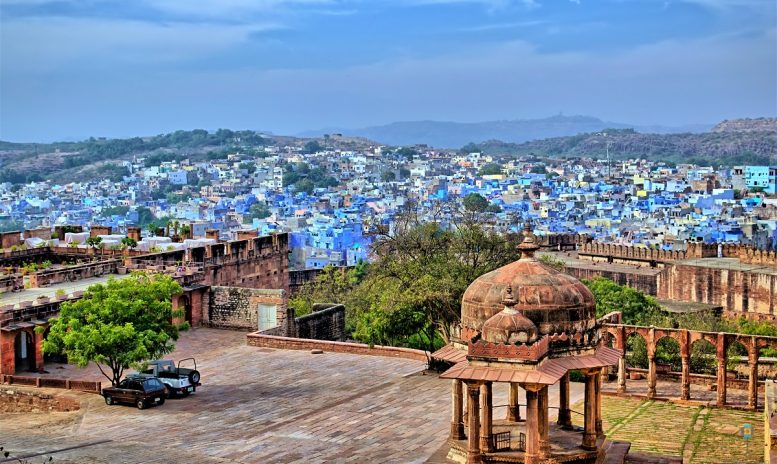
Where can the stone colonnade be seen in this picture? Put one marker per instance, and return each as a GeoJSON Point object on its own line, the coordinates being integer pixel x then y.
{"type": "Point", "coordinates": [685, 339]}
{"type": "Point", "coordinates": [479, 417]}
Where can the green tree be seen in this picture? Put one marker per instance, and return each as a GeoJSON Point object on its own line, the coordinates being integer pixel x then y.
{"type": "Point", "coordinates": [305, 185]}
{"type": "Point", "coordinates": [388, 176]}
{"type": "Point", "coordinates": [94, 242]}
{"type": "Point", "coordinates": [312, 147]}
{"type": "Point", "coordinates": [636, 307]}
{"type": "Point", "coordinates": [129, 242]}
{"type": "Point", "coordinates": [257, 211]}
{"type": "Point", "coordinates": [490, 169]}
{"type": "Point", "coordinates": [475, 202]}
{"type": "Point", "coordinates": [118, 324]}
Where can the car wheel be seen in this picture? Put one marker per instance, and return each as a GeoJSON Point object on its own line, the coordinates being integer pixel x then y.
{"type": "Point", "coordinates": [194, 377]}
{"type": "Point", "coordinates": [168, 392]}
{"type": "Point", "coordinates": [141, 404]}
{"type": "Point", "coordinates": [108, 400]}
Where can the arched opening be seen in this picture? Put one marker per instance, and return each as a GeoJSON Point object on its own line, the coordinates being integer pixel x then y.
{"type": "Point", "coordinates": [668, 355]}
{"type": "Point", "coordinates": [736, 361]}
{"type": "Point", "coordinates": [24, 351]}
{"type": "Point", "coordinates": [186, 304]}
{"type": "Point", "coordinates": [636, 351]}
{"type": "Point", "coordinates": [703, 359]}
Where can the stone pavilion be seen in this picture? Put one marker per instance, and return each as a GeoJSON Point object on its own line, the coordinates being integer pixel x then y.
{"type": "Point", "coordinates": [526, 325]}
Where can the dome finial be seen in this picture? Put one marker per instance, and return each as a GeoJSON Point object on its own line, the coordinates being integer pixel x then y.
{"type": "Point", "coordinates": [507, 297]}
{"type": "Point", "coordinates": [529, 244]}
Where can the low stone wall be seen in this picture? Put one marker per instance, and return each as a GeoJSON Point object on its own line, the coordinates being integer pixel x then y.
{"type": "Point", "coordinates": [51, 382]}
{"type": "Point", "coordinates": [326, 322]}
{"type": "Point", "coordinates": [75, 273]}
{"type": "Point", "coordinates": [288, 343]}
{"type": "Point", "coordinates": [21, 401]}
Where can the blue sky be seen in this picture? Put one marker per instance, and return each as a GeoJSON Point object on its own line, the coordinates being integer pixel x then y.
{"type": "Point", "coordinates": [71, 69]}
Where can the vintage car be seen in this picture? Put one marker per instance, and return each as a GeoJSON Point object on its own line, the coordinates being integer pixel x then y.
{"type": "Point", "coordinates": [141, 392]}
{"type": "Point", "coordinates": [179, 380]}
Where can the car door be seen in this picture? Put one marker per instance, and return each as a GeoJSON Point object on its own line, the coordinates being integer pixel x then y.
{"type": "Point", "coordinates": [136, 390]}
{"type": "Point", "coordinates": [122, 392]}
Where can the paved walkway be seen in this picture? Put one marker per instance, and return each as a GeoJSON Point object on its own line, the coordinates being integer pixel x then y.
{"type": "Point", "coordinates": [258, 405]}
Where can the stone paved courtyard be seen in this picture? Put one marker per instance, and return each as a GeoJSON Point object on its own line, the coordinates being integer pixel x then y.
{"type": "Point", "coordinates": [276, 406]}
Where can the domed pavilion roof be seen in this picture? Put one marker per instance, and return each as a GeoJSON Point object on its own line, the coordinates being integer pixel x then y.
{"type": "Point", "coordinates": [555, 302]}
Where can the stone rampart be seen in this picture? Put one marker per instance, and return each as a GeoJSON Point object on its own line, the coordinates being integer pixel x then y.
{"type": "Point", "coordinates": [326, 322]}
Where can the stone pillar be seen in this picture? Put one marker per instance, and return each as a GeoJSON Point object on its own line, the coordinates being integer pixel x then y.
{"type": "Point", "coordinates": [38, 337]}
{"type": "Point", "coordinates": [651, 352]}
{"type": "Point", "coordinates": [589, 430]}
{"type": "Point", "coordinates": [513, 407]}
{"type": "Point", "coordinates": [542, 423]}
{"type": "Point", "coordinates": [532, 425]}
{"type": "Point", "coordinates": [564, 414]}
{"type": "Point", "coordinates": [720, 352]}
{"type": "Point", "coordinates": [473, 413]}
{"type": "Point", "coordinates": [7, 353]}
{"type": "Point", "coordinates": [752, 361]}
{"type": "Point", "coordinates": [598, 397]}
{"type": "Point", "coordinates": [457, 419]}
{"type": "Point", "coordinates": [622, 373]}
{"type": "Point", "coordinates": [685, 353]}
{"type": "Point", "coordinates": [486, 424]}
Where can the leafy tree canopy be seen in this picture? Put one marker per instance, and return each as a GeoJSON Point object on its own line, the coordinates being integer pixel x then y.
{"type": "Point", "coordinates": [118, 324]}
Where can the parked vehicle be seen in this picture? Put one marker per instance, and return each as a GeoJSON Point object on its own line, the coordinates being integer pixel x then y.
{"type": "Point", "coordinates": [166, 369]}
{"type": "Point", "coordinates": [174, 384]}
{"type": "Point", "coordinates": [142, 392]}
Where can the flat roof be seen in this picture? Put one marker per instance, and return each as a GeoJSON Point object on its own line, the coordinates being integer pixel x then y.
{"type": "Point", "coordinates": [30, 294]}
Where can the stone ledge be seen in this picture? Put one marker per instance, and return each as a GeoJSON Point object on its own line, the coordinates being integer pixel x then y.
{"type": "Point", "coordinates": [289, 343]}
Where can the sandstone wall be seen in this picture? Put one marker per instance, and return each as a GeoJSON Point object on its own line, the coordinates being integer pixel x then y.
{"type": "Point", "coordinates": [238, 308]}
{"type": "Point", "coordinates": [326, 322]}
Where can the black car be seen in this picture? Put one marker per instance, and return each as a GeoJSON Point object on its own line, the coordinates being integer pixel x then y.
{"type": "Point", "coordinates": [141, 392]}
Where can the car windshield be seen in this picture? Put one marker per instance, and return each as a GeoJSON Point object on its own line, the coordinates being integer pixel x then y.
{"type": "Point", "coordinates": [152, 384]}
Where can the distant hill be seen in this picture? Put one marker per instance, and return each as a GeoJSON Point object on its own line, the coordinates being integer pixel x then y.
{"type": "Point", "coordinates": [747, 125]}
{"type": "Point", "coordinates": [733, 143]}
{"type": "Point", "coordinates": [455, 134]}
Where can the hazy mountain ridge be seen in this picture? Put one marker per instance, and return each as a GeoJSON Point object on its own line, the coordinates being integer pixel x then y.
{"type": "Point", "coordinates": [729, 147]}
{"type": "Point", "coordinates": [443, 134]}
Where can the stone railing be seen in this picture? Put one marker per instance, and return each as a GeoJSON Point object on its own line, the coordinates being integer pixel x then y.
{"type": "Point", "coordinates": [34, 310]}
{"type": "Point", "coordinates": [289, 343]}
{"type": "Point", "coordinates": [532, 352]}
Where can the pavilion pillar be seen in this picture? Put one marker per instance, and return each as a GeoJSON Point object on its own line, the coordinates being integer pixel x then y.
{"type": "Point", "coordinates": [752, 361]}
{"type": "Point", "coordinates": [622, 374]}
{"type": "Point", "coordinates": [685, 353]}
{"type": "Point", "coordinates": [564, 414]}
{"type": "Point", "coordinates": [598, 398]}
{"type": "Point", "coordinates": [589, 425]}
{"type": "Point", "coordinates": [513, 408]}
{"type": "Point", "coordinates": [473, 413]}
{"type": "Point", "coordinates": [620, 345]}
{"type": "Point", "coordinates": [720, 351]}
{"type": "Point", "coordinates": [532, 452]}
{"type": "Point", "coordinates": [457, 414]}
{"type": "Point", "coordinates": [542, 423]}
{"type": "Point", "coordinates": [486, 424]}
{"type": "Point", "coordinates": [651, 352]}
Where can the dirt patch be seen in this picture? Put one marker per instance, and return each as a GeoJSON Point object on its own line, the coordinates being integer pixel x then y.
{"type": "Point", "coordinates": [20, 401]}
